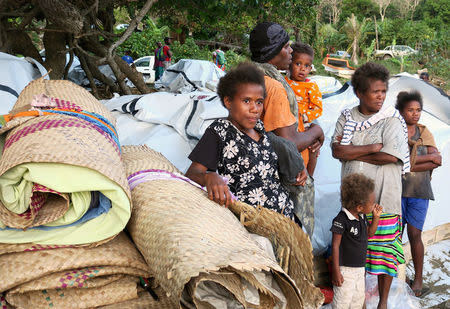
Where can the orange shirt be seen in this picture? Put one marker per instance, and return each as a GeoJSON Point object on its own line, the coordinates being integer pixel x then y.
{"type": "Point", "coordinates": [277, 113]}
{"type": "Point", "coordinates": [309, 99]}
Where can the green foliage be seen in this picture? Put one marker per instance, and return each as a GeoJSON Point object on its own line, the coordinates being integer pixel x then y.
{"type": "Point", "coordinates": [369, 51]}
{"type": "Point", "coordinates": [361, 8]}
{"type": "Point", "coordinates": [144, 43]}
{"type": "Point", "coordinates": [233, 59]}
{"type": "Point", "coordinates": [189, 50]}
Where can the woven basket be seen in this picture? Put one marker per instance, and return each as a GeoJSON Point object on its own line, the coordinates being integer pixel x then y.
{"type": "Point", "coordinates": [72, 277]}
{"type": "Point", "coordinates": [58, 138]}
{"type": "Point", "coordinates": [184, 235]}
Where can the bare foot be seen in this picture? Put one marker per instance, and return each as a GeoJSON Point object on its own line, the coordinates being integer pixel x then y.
{"type": "Point", "coordinates": [416, 286]}
{"type": "Point", "coordinates": [382, 306]}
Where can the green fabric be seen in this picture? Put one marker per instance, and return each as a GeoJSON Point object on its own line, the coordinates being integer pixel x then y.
{"type": "Point", "coordinates": [15, 190]}
{"type": "Point", "coordinates": [271, 71]}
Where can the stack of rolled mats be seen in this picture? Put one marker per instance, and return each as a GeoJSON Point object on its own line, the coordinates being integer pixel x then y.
{"type": "Point", "coordinates": [199, 252]}
{"type": "Point", "coordinates": [64, 200]}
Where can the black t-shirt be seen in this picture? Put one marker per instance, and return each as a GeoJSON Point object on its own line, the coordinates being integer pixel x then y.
{"type": "Point", "coordinates": [250, 166]}
{"type": "Point", "coordinates": [353, 248]}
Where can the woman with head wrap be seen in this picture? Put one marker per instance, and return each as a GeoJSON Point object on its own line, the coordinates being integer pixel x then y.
{"type": "Point", "coordinates": [271, 51]}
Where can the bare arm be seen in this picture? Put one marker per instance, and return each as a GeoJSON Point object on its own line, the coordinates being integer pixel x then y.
{"type": "Point", "coordinates": [169, 53]}
{"type": "Point", "coordinates": [337, 278]}
{"type": "Point", "coordinates": [302, 139]}
{"type": "Point", "coordinates": [378, 158]}
{"type": "Point", "coordinates": [372, 228]}
{"type": "Point", "coordinates": [352, 152]}
{"type": "Point", "coordinates": [218, 190]}
{"type": "Point", "coordinates": [427, 162]}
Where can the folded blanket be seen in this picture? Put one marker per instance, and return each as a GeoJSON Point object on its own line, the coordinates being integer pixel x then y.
{"type": "Point", "coordinates": [67, 277]}
{"type": "Point", "coordinates": [60, 146]}
{"type": "Point", "coordinates": [194, 246]}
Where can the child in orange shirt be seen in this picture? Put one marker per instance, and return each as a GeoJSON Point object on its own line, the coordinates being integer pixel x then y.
{"type": "Point", "coordinates": [309, 98]}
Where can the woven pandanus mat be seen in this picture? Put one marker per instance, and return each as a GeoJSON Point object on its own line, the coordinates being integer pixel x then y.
{"type": "Point", "coordinates": [63, 90]}
{"type": "Point", "coordinates": [292, 247]}
{"type": "Point", "coordinates": [96, 276]}
{"type": "Point", "coordinates": [183, 235]}
{"type": "Point", "coordinates": [146, 301]}
{"type": "Point", "coordinates": [76, 130]}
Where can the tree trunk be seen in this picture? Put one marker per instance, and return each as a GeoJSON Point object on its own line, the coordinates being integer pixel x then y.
{"type": "Point", "coordinates": [354, 53]}
{"type": "Point", "coordinates": [376, 32]}
{"type": "Point", "coordinates": [55, 52]}
{"type": "Point", "coordinates": [136, 78]}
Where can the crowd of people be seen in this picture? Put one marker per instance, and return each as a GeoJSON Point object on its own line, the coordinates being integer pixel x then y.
{"type": "Point", "coordinates": [387, 159]}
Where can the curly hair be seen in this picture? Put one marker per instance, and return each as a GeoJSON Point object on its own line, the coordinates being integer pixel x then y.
{"type": "Point", "coordinates": [302, 48]}
{"type": "Point", "coordinates": [368, 73]}
{"type": "Point", "coordinates": [404, 97]}
{"type": "Point", "coordinates": [244, 73]}
{"type": "Point", "coordinates": [355, 190]}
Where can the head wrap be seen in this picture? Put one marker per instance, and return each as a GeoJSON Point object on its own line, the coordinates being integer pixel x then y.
{"type": "Point", "coordinates": [266, 41]}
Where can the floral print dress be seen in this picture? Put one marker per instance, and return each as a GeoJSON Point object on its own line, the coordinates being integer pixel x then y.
{"type": "Point", "coordinates": [251, 167]}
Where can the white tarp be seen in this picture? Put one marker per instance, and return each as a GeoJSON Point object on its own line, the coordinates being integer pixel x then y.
{"type": "Point", "coordinates": [15, 74]}
{"type": "Point", "coordinates": [188, 75]}
{"type": "Point", "coordinates": [173, 123]}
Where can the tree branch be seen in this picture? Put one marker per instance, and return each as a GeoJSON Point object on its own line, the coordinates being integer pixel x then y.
{"type": "Point", "coordinates": [134, 22]}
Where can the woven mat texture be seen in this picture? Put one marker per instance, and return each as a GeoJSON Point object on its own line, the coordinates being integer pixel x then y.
{"type": "Point", "coordinates": [182, 234]}
{"type": "Point", "coordinates": [92, 274]}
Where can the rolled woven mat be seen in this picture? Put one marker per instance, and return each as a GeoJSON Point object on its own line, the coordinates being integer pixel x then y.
{"type": "Point", "coordinates": [145, 301]}
{"type": "Point", "coordinates": [61, 168]}
{"type": "Point", "coordinates": [292, 246]}
{"type": "Point", "coordinates": [193, 245]}
{"type": "Point", "coordinates": [72, 277]}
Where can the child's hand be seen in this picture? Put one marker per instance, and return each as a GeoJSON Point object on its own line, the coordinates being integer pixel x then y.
{"type": "Point", "coordinates": [301, 178]}
{"type": "Point", "coordinates": [218, 190]}
{"type": "Point", "coordinates": [336, 278]}
{"type": "Point", "coordinates": [377, 210]}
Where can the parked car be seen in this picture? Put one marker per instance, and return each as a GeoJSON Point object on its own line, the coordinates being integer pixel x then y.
{"type": "Point", "coordinates": [395, 51]}
{"type": "Point", "coordinates": [144, 65]}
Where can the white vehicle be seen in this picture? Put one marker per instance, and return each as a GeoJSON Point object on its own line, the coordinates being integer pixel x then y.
{"type": "Point", "coordinates": [395, 51]}
{"type": "Point", "coordinates": [144, 65]}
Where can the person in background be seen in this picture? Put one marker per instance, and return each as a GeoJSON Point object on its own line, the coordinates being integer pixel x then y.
{"type": "Point", "coordinates": [159, 58]}
{"type": "Point", "coordinates": [425, 76]}
{"type": "Point", "coordinates": [373, 142]}
{"type": "Point", "coordinates": [308, 95]}
{"type": "Point", "coordinates": [351, 230]}
{"type": "Point", "coordinates": [127, 58]}
{"type": "Point", "coordinates": [167, 53]}
{"type": "Point", "coordinates": [219, 58]}
{"type": "Point", "coordinates": [235, 154]}
{"type": "Point", "coordinates": [417, 191]}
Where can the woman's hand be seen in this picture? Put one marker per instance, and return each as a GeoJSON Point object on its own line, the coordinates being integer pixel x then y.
{"type": "Point", "coordinates": [436, 158]}
{"type": "Point", "coordinates": [300, 180]}
{"type": "Point", "coordinates": [377, 147]}
{"type": "Point", "coordinates": [218, 190]}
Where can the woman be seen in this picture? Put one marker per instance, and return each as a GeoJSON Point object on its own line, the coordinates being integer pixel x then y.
{"type": "Point", "coordinates": [417, 184]}
{"type": "Point", "coordinates": [373, 142]}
